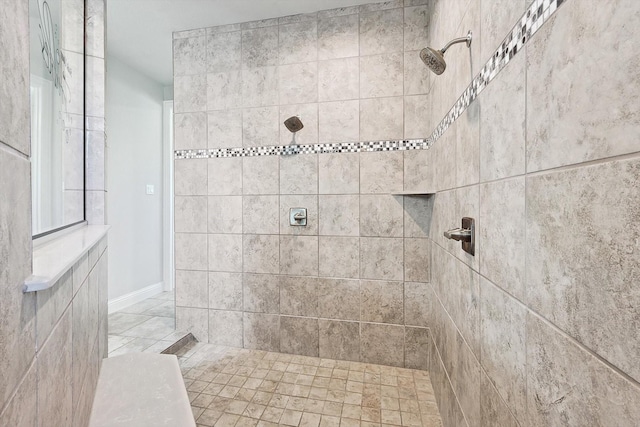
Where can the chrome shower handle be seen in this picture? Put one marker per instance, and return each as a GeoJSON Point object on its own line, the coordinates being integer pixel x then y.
{"type": "Point", "coordinates": [459, 234]}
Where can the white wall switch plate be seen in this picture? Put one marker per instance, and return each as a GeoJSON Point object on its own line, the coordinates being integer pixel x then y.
{"type": "Point", "coordinates": [150, 189]}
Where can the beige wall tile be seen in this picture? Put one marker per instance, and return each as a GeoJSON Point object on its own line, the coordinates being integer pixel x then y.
{"type": "Point", "coordinates": [339, 340]}
{"type": "Point", "coordinates": [383, 344]}
{"type": "Point", "coordinates": [299, 335]}
{"type": "Point", "coordinates": [339, 257]}
{"type": "Point", "coordinates": [339, 299]}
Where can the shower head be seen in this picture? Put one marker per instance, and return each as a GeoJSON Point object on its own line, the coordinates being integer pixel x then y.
{"type": "Point", "coordinates": [434, 59]}
{"type": "Point", "coordinates": [294, 124]}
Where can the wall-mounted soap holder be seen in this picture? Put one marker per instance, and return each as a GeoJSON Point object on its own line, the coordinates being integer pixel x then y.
{"type": "Point", "coordinates": [465, 234]}
{"type": "Point", "coordinates": [298, 217]}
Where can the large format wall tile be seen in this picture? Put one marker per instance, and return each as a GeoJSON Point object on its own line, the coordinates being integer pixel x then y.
{"type": "Point", "coordinates": [339, 299]}
{"type": "Point", "coordinates": [503, 345]}
{"type": "Point", "coordinates": [583, 101]}
{"type": "Point", "coordinates": [501, 234]}
{"type": "Point", "coordinates": [225, 328]}
{"type": "Point", "coordinates": [225, 291]}
{"type": "Point", "coordinates": [568, 386]}
{"type": "Point", "coordinates": [261, 293]}
{"type": "Point", "coordinates": [383, 344]}
{"type": "Point", "coordinates": [502, 130]}
{"type": "Point", "coordinates": [339, 340]}
{"type": "Point", "coordinates": [339, 257]}
{"type": "Point", "coordinates": [22, 409]}
{"type": "Point", "coordinates": [381, 302]}
{"type": "Point", "coordinates": [261, 331]}
{"type": "Point", "coordinates": [18, 326]}
{"type": "Point", "coordinates": [192, 288]}
{"type": "Point", "coordinates": [55, 376]}
{"type": "Point", "coordinates": [299, 296]}
{"type": "Point", "coordinates": [338, 36]}
{"type": "Point", "coordinates": [578, 282]}
{"type": "Point", "coordinates": [299, 335]}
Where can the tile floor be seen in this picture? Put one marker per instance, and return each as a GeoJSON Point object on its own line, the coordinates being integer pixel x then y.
{"type": "Point", "coordinates": [148, 326]}
{"type": "Point", "coordinates": [238, 387]}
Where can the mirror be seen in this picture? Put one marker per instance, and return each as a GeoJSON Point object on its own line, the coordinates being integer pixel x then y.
{"type": "Point", "coordinates": [57, 113]}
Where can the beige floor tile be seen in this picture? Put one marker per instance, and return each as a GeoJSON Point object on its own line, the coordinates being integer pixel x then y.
{"type": "Point", "coordinates": [259, 389]}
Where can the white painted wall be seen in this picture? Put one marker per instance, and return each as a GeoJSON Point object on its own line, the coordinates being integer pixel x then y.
{"type": "Point", "coordinates": [134, 140]}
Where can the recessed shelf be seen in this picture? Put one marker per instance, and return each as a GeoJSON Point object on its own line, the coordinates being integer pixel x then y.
{"type": "Point", "coordinates": [416, 193]}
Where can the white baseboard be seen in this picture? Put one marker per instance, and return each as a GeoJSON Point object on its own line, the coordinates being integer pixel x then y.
{"type": "Point", "coordinates": [134, 297]}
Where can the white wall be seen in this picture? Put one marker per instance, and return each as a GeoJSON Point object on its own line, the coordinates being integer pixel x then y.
{"type": "Point", "coordinates": [134, 108]}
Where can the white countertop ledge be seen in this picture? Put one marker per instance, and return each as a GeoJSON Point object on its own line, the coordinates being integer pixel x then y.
{"type": "Point", "coordinates": [53, 259]}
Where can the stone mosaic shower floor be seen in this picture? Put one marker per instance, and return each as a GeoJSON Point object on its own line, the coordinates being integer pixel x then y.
{"type": "Point", "coordinates": [238, 387]}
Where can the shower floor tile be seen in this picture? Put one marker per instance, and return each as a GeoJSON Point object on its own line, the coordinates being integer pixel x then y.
{"type": "Point", "coordinates": [231, 387]}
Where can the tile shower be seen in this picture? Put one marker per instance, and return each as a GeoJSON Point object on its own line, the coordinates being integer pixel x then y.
{"type": "Point", "coordinates": [539, 327]}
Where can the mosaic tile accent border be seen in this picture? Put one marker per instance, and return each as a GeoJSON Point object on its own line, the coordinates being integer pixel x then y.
{"type": "Point", "coordinates": [536, 15]}
{"type": "Point", "coordinates": [287, 150]}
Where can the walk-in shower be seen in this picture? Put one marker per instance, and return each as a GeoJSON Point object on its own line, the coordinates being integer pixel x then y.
{"type": "Point", "coordinates": [434, 59]}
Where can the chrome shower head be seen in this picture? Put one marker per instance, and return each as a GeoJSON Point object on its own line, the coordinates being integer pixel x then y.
{"type": "Point", "coordinates": [294, 124]}
{"type": "Point", "coordinates": [434, 59]}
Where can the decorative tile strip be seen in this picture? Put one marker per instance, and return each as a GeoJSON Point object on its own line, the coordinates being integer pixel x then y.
{"type": "Point", "coordinates": [288, 150]}
{"type": "Point", "coordinates": [536, 15]}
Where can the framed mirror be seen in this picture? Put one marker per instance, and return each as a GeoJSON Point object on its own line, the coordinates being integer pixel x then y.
{"type": "Point", "coordinates": [57, 87]}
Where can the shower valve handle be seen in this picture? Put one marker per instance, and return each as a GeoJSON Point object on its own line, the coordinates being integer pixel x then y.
{"type": "Point", "coordinates": [459, 234]}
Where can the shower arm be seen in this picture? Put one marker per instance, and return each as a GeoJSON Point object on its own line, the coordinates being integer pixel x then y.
{"type": "Point", "coordinates": [466, 40]}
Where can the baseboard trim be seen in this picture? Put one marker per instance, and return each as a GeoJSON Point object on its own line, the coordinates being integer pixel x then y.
{"type": "Point", "coordinates": [134, 297]}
